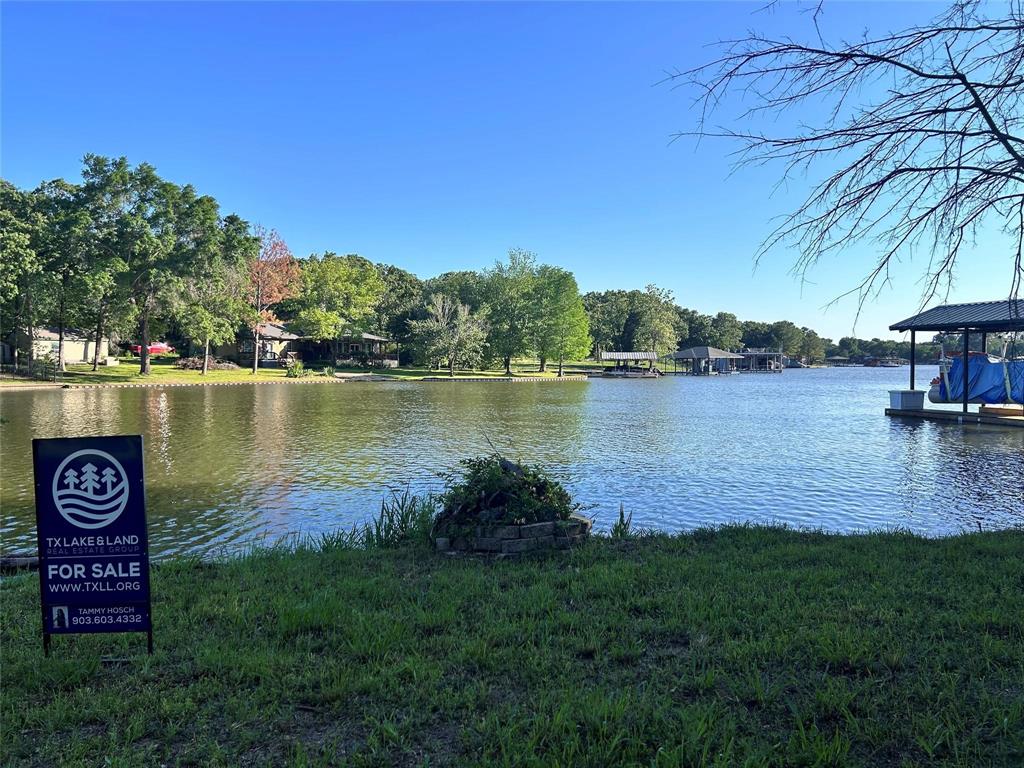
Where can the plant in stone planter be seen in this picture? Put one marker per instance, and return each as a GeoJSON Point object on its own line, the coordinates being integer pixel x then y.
{"type": "Point", "coordinates": [496, 491]}
{"type": "Point", "coordinates": [498, 505]}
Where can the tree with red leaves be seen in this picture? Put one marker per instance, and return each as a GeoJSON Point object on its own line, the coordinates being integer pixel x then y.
{"type": "Point", "coordinates": [274, 276]}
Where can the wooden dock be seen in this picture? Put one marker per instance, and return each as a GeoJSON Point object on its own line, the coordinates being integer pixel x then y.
{"type": "Point", "coordinates": [957, 417]}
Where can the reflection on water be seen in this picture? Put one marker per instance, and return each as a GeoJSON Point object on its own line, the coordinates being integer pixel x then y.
{"type": "Point", "coordinates": [229, 466]}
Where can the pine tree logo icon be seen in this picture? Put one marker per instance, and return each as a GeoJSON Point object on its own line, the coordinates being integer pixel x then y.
{"type": "Point", "coordinates": [90, 489]}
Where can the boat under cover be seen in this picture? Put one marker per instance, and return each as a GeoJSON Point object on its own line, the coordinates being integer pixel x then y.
{"type": "Point", "coordinates": [992, 380]}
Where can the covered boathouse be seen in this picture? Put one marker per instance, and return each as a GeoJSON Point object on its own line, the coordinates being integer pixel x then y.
{"type": "Point", "coordinates": [704, 361]}
{"type": "Point", "coordinates": [761, 360]}
{"type": "Point", "coordinates": [628, 364]}
{"type": "Point", "coordinates": [979, 319]}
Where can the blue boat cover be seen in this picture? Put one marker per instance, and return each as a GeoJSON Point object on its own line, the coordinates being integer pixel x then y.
{"type": "Point", "coordinates": [987, 381]}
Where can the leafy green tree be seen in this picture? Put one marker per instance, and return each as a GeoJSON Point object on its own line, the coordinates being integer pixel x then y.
{"type": "Point", "coordinates": [757, 335]}
{"type": "Point", "coordinates": [560, 327]}
{"type": "Point", "coordinates": [19, 225]}
{"type": "Point", "coordinates": [400, 298]}
{"type": "Point", "coordinates": [105, 193]}
{"type": "Point", "coordinates": [849, 346]}
{"type": "Point", "coordinates": [63, 250]}
{"type": "Point", "coordinates": [608, 313]}
{"type": "Point", "coordinates": [683, 317]}
{"type": "Point", "coordinates": [339, 294]}
{"type": "Point", "coordinates": [212, 301]}
{"type": "Point", "coordinates": [20, 265]}
{"type": "Point", "coordinates": [656, 329]}
{"type": "Point", "coordinates": [197, 321]}
{"type": "Point", "coordinates": [787, 337]}
{"type": "Point", "coordinates": [141, 235]}
{"type": "Point", "coordinates": [450, 333]}
{"type": "Point", "coordinates": [320, 324]}
{"type": "Point", "coordinates": [727, 331]}
{"type": "Point", "coordinates": [882, 348]}
{"type": "Point", "coordinates": [812, 346]}
{"type": "Point", "coordinates": [102, 306]}
{"type": "Point", "coordinates": [701, 331]}
{"type": "Point", "coordinates": [159, 229]}
{"type": "Point", "coordinates": [509, 292]}
{"type": "Point", "coordinates": [468, 287]}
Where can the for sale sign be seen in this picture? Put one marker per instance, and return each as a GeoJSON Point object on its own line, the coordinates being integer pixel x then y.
{"type": "Point", "coordinates": [91, 524]}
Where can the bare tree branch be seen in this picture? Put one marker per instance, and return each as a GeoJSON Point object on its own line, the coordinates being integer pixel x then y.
{"type": "Point", "coordinates": [922, 133]}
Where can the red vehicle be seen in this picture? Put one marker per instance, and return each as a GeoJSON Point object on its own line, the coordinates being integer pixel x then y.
{"type": "Point", "coordinates": [156, 348]}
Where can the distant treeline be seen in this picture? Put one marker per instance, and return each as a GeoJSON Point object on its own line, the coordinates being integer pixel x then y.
{"type": "Point", "coordinates": [127, 255]}
{"type": "Point", "coordinates": [650, 319]}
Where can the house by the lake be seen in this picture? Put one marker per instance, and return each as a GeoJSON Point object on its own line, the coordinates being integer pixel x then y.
{"type": "Point", "coordinates": [353, 348]}
{"type": "Point", "coordinates": [79, 345]}
{"type": "Point", "coordinates": [275, 343]}
{"type": "Point", "coordinates": [278, 345]}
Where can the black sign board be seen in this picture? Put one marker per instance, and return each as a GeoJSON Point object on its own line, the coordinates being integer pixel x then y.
{"type": "Point", "coordinates": [91, 524]}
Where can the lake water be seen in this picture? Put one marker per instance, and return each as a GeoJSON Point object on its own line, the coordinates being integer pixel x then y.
{"type": "Point", "coordinates": [230, 466]}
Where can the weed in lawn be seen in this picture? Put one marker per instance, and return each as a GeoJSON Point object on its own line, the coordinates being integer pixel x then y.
{"type": "Point", "coordinates": [623, 527]}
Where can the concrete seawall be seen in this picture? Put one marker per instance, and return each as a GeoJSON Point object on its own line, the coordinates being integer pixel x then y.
{"type": "Point", "coordinates": [504, 379]}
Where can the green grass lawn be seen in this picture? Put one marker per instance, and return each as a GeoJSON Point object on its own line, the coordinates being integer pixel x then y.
{"type": "Point", "coordinates": [741, 647]}
{"type": "Point", "coordinates": [165, 372]}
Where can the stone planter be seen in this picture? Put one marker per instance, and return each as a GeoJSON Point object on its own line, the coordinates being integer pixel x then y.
{"type": "Point", "coordinates": [516, 539]}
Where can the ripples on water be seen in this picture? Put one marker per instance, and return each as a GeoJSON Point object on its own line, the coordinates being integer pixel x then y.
{"type": "Point", "coordinates": [230, 466]}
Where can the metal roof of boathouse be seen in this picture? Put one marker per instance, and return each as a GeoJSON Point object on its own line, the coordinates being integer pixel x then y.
{"type": "Point", "coordinates": [620, 356]}
{"type": "Point", "coordinates": [704, 353]}
{"type": "Point", "coordinates": [1004, 315]}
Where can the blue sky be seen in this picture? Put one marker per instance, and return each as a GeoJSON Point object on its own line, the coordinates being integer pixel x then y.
{"type": "Point", "coordinates": [436, 136]}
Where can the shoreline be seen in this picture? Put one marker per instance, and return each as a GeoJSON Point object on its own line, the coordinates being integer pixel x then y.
{"type": "Point", "coordinates": [150, 384]}
{"type": "Point", "coordinates": [20, 562]}
{"type": "Point", "coordinates": [5, 384]}
{"type": "Point", "coordinates": [276, 376]}
{"type": "Point", "coordinates": [525, 378]}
